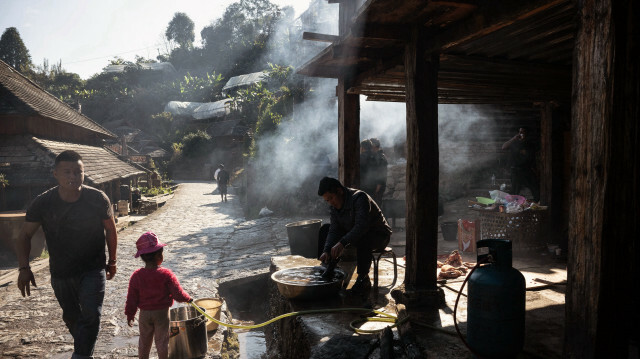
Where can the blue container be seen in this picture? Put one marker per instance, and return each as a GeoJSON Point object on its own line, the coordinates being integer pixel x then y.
{"type": "Point", "coordinates": [496, 303]}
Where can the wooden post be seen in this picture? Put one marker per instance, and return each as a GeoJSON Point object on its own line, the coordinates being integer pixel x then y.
{"type": "Point", "coordinates": [421, 71]}
{"type": "Point", "coordinates": [348, 135]}
{"type": "Point", "coordinates": [602, 301]}
{"type": "Point", "coordinates": [348, 113]}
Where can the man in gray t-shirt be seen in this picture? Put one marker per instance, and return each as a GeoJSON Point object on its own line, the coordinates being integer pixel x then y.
{"type": "Point", "coordinates": [77, 221]}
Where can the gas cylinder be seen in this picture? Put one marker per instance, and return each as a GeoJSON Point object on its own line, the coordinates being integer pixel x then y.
{"type": "Point", "coordinates": [496, 302]}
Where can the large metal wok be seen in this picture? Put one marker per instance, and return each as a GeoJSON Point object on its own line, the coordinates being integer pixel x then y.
{"type": "Point", "coordinates": [307, 282]}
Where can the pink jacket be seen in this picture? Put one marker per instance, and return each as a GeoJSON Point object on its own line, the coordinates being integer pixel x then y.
{"type": "Point", "coordinates": [153, 289]}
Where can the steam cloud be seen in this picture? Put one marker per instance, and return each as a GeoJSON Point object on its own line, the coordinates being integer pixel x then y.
{"type": "Point", "coordinates": [305, 147]}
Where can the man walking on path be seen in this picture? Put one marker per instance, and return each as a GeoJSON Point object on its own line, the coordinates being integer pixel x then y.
{"type": "Point", "coordinates": [77, 221]}
{"type": "Point", "coordinates": [223, 181]}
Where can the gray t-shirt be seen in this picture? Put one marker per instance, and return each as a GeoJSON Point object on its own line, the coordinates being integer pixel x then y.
{"type": "Point", "coordinates": [74, 231]}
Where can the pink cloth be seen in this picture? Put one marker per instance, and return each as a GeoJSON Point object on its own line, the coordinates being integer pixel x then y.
{"type": "Point", "coordinates": [154, 324]}
{"type": "Point", "coordinates": [153, 289]}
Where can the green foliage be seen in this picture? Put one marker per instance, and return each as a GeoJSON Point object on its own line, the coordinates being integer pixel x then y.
{"type": "Point", "coordinates": [196, 144]}
{"type": "Point", "coordinates": [154, 191]}
{"type": "Point", "coordinates": [13, 51]}
{"type": "Point", "coordinates": [197, 89]}
{"type": "Point", "coordinates": [55, 80]}
{"type": "Point", "coordinates": [180, 30]}
{"type": "Point", "coordinates": [266, 105]}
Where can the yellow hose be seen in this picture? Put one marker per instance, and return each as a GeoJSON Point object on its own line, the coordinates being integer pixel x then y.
{"type": "Point", "coordinates": [386, 318]}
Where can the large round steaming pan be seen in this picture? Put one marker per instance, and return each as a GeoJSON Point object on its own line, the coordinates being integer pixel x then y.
{"type": "Point", "coordinates": [306, 291]}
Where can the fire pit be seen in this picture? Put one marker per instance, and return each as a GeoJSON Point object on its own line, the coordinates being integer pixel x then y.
{"type": "Point", "coordinates": [307, 282]}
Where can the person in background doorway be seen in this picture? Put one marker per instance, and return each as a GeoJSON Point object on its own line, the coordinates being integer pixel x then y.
{"type": "Point", "coordinates": [152, 289]}
{"type": "Point", "coordinates": [379, 170]}
{"type": "Point", "coordinates": [522, 158]}
{"type": "Point", "coordinates": [77, 221]}
{"type": "Point", "coordinates": [356, 220]}
{"type": "Point", "coordinates": [223, 182]}
{"type": "Point", "coordinates": [367, 168]}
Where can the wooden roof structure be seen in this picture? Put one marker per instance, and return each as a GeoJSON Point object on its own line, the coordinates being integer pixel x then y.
{"type": "Point", "coordinates": [20, 96]}
{"type": "Point", "coordinates": [513, 54]}
{"type": "Point", "coordinates": [506, 53]}
{"type": "Point", "coordinates": [31, 160]}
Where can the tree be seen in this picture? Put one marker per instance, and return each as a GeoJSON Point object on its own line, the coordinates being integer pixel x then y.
{"type": "Point", "coordinates": [180, 30]}
{"type": "Point", "coordinates": [53, 78]}
{"type": "Point", "coordinates": [13, 51]}
{"type": "Point", "coordinates": [237, 41]}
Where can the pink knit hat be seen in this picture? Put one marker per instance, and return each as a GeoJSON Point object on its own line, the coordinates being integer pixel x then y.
{"type": "Point", "coordinates": [148, 243]}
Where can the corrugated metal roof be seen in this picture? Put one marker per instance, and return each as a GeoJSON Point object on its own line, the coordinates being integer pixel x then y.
{"type": "Point", "coordinates": [44, 103]}
{"type": "Point", "coordinates": [159, 66]}
{"type": "Point", "coordinates": [100, 165]}
{"type": "Point", "coordinates": [198, 110]}
{"type": "Point", "coordinates": [244, 80]}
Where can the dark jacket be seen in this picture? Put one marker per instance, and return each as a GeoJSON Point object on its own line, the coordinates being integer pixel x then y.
{"type": "Point", "coordinates": [359, 218]}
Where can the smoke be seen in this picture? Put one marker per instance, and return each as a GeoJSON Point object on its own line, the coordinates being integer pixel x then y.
{"type": "Point", "coordinates": [304, 148]}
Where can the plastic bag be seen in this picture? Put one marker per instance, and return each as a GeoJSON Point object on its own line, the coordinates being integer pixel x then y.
{"type": "Point", "coordinates": [499, 196]}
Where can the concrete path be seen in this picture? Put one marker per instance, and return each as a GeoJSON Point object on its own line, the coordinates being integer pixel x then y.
{"type": "Point", "coordinates": [208, 241]}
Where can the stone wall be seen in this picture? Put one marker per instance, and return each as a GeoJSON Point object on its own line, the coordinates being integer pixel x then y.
{"type": "Point", "coordinates": [396, 182]}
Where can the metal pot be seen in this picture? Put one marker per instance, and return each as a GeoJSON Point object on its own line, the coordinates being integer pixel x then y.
{"type": "Point", "coordinates": [306, 282]}
{"type": "Point", "coordinates": [187, 333]}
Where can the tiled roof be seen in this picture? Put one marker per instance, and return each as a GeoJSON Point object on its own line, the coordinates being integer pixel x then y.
{"type": "Point", "coordinates": [100, 165]}
{"type": "Point", "coordinates": [24, 164]}
{"type": "Point", "coordinates": [43, 103]}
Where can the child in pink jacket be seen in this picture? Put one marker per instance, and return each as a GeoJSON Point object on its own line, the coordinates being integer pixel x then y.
{"type": "Point", "coordinates": [152, 289]}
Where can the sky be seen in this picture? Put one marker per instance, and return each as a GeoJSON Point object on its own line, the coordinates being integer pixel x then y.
{"type": "Point", "coordinates": [86, 34]}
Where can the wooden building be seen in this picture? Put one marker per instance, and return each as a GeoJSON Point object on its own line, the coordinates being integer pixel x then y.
{"type": "Point", "coordinates": [34, 128]}
{"type": "Point", "coordinates": [576, 62]}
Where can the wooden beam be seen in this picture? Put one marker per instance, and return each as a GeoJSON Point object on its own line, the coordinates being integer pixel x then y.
{"type": "Point", "coordinates": [314, 36]}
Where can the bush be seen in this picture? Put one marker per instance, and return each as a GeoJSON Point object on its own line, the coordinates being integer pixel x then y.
{"type": "Point", "coordinates": [196, 144]}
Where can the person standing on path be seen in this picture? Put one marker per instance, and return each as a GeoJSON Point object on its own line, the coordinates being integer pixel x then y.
{"type": "Point", "coordinates": [153, 290]}
{"type": "Point", "coordinates": [223, 182]}
{"type": "Point", "coordinates": [77, 221]}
